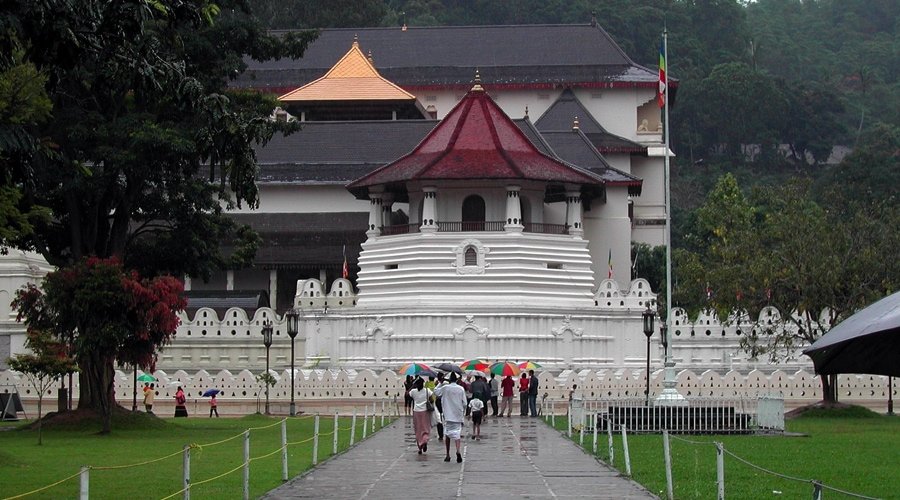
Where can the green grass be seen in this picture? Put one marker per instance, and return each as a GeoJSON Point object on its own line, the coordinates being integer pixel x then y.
{"type": "Point", "coordinates": [853, 450]}
{"type": "Point", "coordinates": [25, 466]}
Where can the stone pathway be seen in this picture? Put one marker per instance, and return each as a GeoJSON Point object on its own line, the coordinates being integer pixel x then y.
{"type": "Point", "coordinates": [516, 458]}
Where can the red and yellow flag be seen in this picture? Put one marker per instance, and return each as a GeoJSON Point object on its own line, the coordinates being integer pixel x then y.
{"type": "Point", "coordinates": [663, 79]}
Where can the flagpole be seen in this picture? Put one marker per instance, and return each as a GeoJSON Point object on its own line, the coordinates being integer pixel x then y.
{"type": "Point", "coordinates": [669, 394]}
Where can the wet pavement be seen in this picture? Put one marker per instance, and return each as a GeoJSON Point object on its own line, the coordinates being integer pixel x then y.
{"type": "Point", "coordinates": [516, 458]}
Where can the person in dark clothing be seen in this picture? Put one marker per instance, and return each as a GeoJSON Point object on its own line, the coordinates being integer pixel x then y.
{"type": "Point", "coordinates": [532, 393]}
{"type": "Point", "coordinates": [481, 390]}
{"type": "Point", "coordinates": [495, 393]}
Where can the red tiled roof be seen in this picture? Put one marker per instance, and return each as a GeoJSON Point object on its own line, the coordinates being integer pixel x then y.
{"type": "Point", "coordinates": [476, 140]}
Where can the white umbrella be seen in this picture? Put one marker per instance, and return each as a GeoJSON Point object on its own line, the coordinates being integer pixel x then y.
{"type": "Point", "coordinates": [175, 383]}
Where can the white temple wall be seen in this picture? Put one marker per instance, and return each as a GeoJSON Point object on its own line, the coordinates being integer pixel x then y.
{"type": "Point", "coordinates": [607, 227]}
{"type": "Point", "coordinates": [285, 198]}
{"type": "Point", "coordinates": [512, 102]}
{"type": "Point", "coordinates": [17, 268]}
{"type": "Point", "coordinates": [617, 109]}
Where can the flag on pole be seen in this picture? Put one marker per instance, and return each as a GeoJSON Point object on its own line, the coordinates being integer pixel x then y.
{"type": "Point", "coordinates": [609, 273]}
{"type": "Point", "coordinates": [345, 272]}
{"type": "Point", "coordinates": [708, 292]}
{"type": "Point", "coordinates": [663, 78]}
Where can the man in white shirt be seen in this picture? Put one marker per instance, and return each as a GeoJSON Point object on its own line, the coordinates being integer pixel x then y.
{"type": "Point", "coordinates": [453, 400]}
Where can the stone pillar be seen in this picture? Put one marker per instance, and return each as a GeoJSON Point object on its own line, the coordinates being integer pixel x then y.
{"type": "Point", "coordinates": [187, 283]}
{"type": "Point", "coordinates": [513, 210]}
{"type": "Point", "coordinates": [375, 215]}
{"type": "Point", "coordinates": [573, 213]}
{"type": "Point", "coordinates": [273, 288]}
{"type": "Point", "coordinates": [429, 210]}
{"type": "Point", "coordinates": [387, 202]}
{"type": "Point", "coordinates": [229, 280]}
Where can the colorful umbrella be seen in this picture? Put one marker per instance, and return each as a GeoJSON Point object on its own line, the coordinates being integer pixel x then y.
{"type": "Point", "coordinates": [416, 369]}
{"type": "Point", "coordinates": [146, 377]}
{"type": "Point", "coordinates": [210, 392]}
{"type": "Point", "coordinates": [475, 364]}
{"type": "Point", "coordinates": [505, 368]}
{"type": "Point", "coordinates": [529, 365]}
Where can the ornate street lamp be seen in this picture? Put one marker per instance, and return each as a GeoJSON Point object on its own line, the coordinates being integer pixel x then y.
{"type": "Point", "coordinates": [293, 326]}
{"type": "Point", "coordinates": [647, 316]}
{"type": "Point", "coordinates": [267, 341]}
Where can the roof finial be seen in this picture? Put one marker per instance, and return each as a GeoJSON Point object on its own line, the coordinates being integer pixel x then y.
{"type": "Point", "coordinates": [575, 124]}
{"type": "Point", "coordinates": [356, 40]}
{"type": "Point", "coordinates": [593, 18]}
{"type": "Point", "coordinates": [477, 87]}
{"type": "Point", "coordinates": [526, 111]}
{"type": "Point", "coordinates": [370, 57]}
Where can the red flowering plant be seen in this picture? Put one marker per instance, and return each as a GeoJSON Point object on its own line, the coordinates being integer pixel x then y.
{"type": "Point", "coordinates": [107, 315]}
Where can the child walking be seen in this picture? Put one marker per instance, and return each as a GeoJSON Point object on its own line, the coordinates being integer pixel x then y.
{"type": "Point", "coordinates": [477, 411]}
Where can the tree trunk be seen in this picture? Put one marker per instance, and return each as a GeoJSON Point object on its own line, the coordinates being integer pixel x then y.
{"type": "Point", "coordinates": [829, 388]}
{"type": "Point", "coordinates": [96, 387]}
{"type": "Point", "coordinates": [40, 420]}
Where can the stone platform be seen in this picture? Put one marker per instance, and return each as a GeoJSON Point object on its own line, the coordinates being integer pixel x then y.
{"type": "Point", "coordinates": [518, 457]}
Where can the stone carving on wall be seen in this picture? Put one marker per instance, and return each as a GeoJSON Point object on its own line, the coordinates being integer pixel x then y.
{"type": "Point", "coordinates": [470, 325]}
{"type": "Point", "coordinates": [567, 325]}
{"type": "Point", "coordinates": [379, 325]}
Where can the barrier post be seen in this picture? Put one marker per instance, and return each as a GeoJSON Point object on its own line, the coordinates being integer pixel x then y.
{"type": "Point", "coordinates": [594, 448]}
{"type": "Point", "coordinates": [626, 454]}
{"type": "Point", "coordinates": [353, 428]}
{"type": "Point", "coordinates": [335, 437]}
{"type": "Point", "coordinates": [817, 490]}
{"type": "Point", "coordinates": [569, 422]}
{"type": "Point", "coordinates": [581, 432]}
{"type": "Point", "coordinates": [373, 417]}
{"type": "Point", "coordinates": [669, 491]}
{"type": "Point", "coordinates": [186, 471]}
{"type": "Point", "coordinates": [284, 453]}
{"type": "Point", "coordinates": [84, 483]}
{"type": "Point", "coordinates": [609, 441]}
{"type": "Point", "coordinates": [315, 457]}
{"type": "Point", "coordinates": [247, 464]}
{"type": "Point", "coordinates": [365, 420]}
{"type": "Point", "coordinates": [553, 417]}
{"type": "Point", "coordinates": [382, 414]}
{"type": "Point", "coordinates": [720, 470]}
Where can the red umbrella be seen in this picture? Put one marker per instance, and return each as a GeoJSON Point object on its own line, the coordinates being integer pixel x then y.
{"type": "Point", "coordinates": [505, 368]}
{"type": "Point", "coordinates": [475, 364]}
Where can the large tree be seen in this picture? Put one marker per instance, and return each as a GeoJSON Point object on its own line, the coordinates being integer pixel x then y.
{"type": "Point", "coordinates": [145, 146]}
{"type": "Point", "coordinates": [105, 313]}
{"type": "Point", "coordinates": [781, 248]}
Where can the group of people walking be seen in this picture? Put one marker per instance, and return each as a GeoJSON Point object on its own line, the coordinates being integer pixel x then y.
{"type": "Point", "coordinates": [445, 402]}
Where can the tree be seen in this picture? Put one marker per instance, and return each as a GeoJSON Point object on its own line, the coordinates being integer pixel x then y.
{"type": "Point", "coordinates": [108, 314]}
{"type": "Point", "coordinates": [780, 248]}
{"type": "Point", "coordinates": [48, 362]}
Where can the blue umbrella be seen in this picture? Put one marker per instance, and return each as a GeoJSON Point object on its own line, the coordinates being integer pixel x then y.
{"type": "Point", "coordinates": [210, 392]}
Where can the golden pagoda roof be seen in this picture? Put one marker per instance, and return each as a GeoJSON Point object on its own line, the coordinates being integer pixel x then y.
{"type": "Point", "coordinates": [352, 78]}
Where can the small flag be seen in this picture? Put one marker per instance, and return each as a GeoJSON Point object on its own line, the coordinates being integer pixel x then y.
{"type": "Point", "coordinates": [708, 292]}
{"type": "Point", "coordinates": [345, 272]}
{"type": "Point", "coordinates": [768, 294]}
{"type": "Point", "coordinates": [663, 78]}
{"type": "Point", "coordinates": [609, 273]}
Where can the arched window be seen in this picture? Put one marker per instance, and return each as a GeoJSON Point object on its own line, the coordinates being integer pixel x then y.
{"type": "Point", "coordinates": [473, 213]}
{"type": "Point", "coordinates": [471, 256]}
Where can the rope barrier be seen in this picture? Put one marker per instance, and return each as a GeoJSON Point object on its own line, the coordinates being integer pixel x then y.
{"type": "Point", "coordinates": [182, 490]}
{"type": "Point", "coordinates": [266, 426]}
{"type": "Point", "coordinates": [44, 487]}
{"type": "Point", "coordinates": [114, 467]}
{"type": "Point", "coordinates": [792, 478]}
{"type": "Point", "coordinates": [692, 442]}
{"type": "Point", "coordinates": [220, 442]}
{"type": "Point", "coordinates": [267, 455]}
{"type": "Point", "coordinates": [301, 442]}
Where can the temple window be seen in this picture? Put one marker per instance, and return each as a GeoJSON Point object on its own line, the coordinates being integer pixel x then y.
{"type": "Point", "coordinates": [471, 256]}
{"type": "Point", "coordinates": [648, 118]}
{"type": "Point", "coordinates": [473, 213]}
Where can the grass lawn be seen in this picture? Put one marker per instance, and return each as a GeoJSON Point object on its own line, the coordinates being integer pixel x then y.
{"type": "Point", "coordinates": [853, 450]}
{"type": "Point", "coordinates": [25, 466]}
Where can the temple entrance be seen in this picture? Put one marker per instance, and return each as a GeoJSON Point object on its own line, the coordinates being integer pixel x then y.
{"type": "Point", "coordinates": [473, 213]}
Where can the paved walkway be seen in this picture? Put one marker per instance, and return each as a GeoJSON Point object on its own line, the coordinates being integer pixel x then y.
{"type": "Point", "coordinates": [516, 458]}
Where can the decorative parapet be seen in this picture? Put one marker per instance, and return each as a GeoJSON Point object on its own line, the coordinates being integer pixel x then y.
{"type": "Point", "coordinates": [609, 296]}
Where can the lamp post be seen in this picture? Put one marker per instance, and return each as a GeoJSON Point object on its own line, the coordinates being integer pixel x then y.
{"type": "Point", "coordinates": [292, 328]}
{"type": "Point", "coordinates": [267, 341]}
{"type": "Point", "coordinates": [647, 316]}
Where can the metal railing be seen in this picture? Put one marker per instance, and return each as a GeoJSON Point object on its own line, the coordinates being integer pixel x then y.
{"type": "Point", "coordinates": [480, 226]}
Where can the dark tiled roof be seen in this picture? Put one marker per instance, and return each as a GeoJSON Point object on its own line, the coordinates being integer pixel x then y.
{"type": "Point", "coordinates": [311, 240]}
{"type": "Point", "coordinates": [519, 55]}
{"type": "Point", "coordinates": [476, 140]}
{"type": "Point", "coordinates": [221, 300]}
{"type": "Point", "coordinates": [561, 115]}
{"type": "Point", "coordinates": [573, 146]}
{"type": "Point", "coordinates": [339, 152]}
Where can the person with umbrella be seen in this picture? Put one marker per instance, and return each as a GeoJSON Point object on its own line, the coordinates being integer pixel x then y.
{"type": "Point", "coordinates": [495, 393]}
{"type": "Point", "coordinates": [149, 395]}
{"type": "Point", "coordinates": [533, 385]}
{"type": "Point", "coordinates": [213, 402]}
{"type": "Point", "coordinates": [507, 388]}
{"type": "Point", "coordinates": [180, 400]}
{"type": "Point", "coordinates": [523, 395]}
